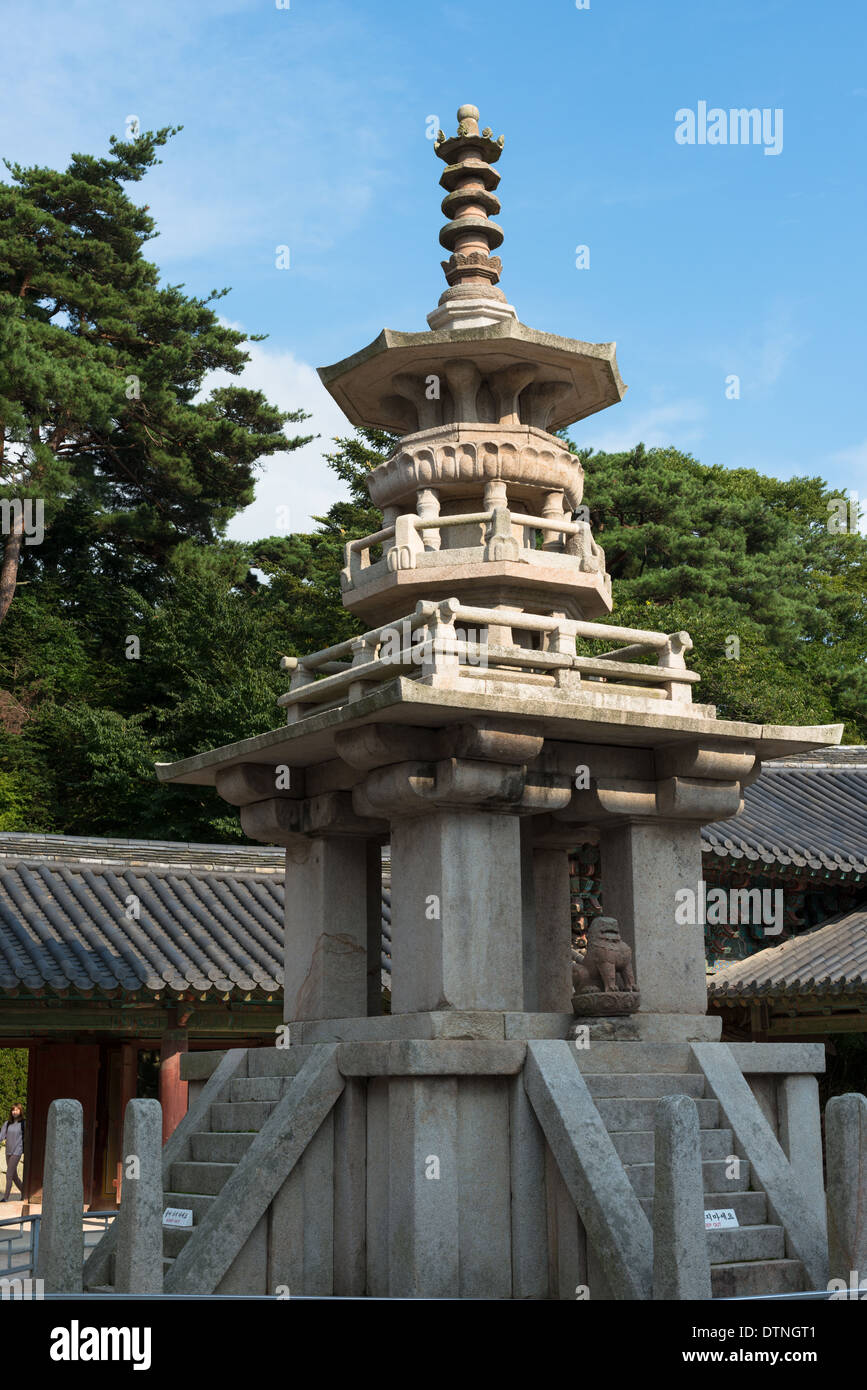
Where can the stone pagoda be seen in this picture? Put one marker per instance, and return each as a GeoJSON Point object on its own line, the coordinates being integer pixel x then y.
{"type": "Point", "coordinates": [491, 1136]}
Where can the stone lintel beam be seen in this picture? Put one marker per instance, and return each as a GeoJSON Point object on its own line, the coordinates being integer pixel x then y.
{"type": "Point", "coordinates": [499, 743]}
{"type": "Point", "coordinates": [333, 776]}
{"type": "Point", "coordinates": [672, 798]}
{"type": "Point", "coordinates": [715, 760]}
{"type": "Point", "coordinates": [718, 761]}
{"type": "Point", "coordinates": [553, 832]}
{"type": "Point", "coordinates": [377, 745]}
{"type": "Point", "coordinates": [280, 822]}
{"type": "Point", "coordinates": [432, 1057]}
{"type": "Point", "coordinates": [245, 783]}
{"type": "Point", "coordinates": [407, 788]}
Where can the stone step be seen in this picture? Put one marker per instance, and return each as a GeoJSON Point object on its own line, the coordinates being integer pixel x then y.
{"type": "Point", "coordinates": [751, 1208]}
{"type": "Point", "coordinates": [205, 1178]}
{"type": "Point", "coordinates": [220, 1148]}
{"type": "Point", "coordinates": [196, 1202]}
{"type": "Point", "coordinates": [755, 1277]}
{"type": "Point", "coordinates": [634, 1057]}
{"type": "Point", "coordinates": [713, 1172]}
{"type": "Point", "coordinates": [746, 1243]}
{"type": "Point", "coordinates": [175, 1238]}
{"type": "Point", "coordinates": [276, 1061]}
{"type": "Point", "coordinates": [627, 1113]}
{"type": "Point", "coordinates": [637, 1146]}
{"type": "Point", "coordinates": [240, 1116]}
{"type": "Point", "coordinates": [627, 1083]}
{"type": "Point", "coordinates": [269, 1088]}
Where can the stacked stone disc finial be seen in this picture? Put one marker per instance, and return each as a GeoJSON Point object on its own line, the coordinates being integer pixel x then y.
{"type": "Point", "coordinates": [470, 235]}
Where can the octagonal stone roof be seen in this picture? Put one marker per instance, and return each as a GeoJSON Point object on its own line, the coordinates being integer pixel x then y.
{"type": "Point", "coordinates": [362, 383]}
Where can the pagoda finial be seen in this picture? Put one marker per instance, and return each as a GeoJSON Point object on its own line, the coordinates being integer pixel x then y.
{"type": "Point", "coordinates": [471, 271]}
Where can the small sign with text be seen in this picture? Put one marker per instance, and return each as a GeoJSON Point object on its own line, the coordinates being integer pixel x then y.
{"type": "Point", "coordinates": [721, 1219]}
{"type": "Point", "coordinates": [177, 1216]}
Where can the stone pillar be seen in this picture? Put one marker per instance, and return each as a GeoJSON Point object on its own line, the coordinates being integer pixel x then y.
{"type": "Point", "coordinates": [424, 1183]}
{"type": "Point", "coordinates": [528, 919]}
{"type": "Point", "coordinates": [546, 905]}
{"type": "Point", "coordinates": [61, 1238]}
{"type": "Point", "coordinates": [800, 1120]}
{"type": "Point", "coordinates": [456, 904]}
{"type": "Point", "coordinates": [846, 1143]}
{"type": "Point", "coordinates": [643, 866]}
{"type": "Point", "coordinates": [326, 928]}
{"type": "Point", "coordinates": [173, 1091]}
{"type": "Point", "coordinates": [139, 1257]}
{"type": "Point", "coordinates": [553, 930]}
{"type": "Point", "coordinates": [681, 1260]}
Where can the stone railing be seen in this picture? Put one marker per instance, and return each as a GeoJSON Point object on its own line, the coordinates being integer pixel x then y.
{"type": "Point", "coordinates": [415, 534]}
{"type": "Point", "coordinates": [447, 644]}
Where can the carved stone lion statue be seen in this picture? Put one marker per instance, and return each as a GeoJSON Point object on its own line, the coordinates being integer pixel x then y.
{"type": "Point", "coordinates": [607, 963]}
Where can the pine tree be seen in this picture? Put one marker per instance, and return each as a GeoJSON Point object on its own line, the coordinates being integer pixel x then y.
{"type": "Point", "coordinates": [103, 442]}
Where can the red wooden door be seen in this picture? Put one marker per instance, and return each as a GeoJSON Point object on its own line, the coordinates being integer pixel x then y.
{"type": "Point", "coordinates": [60, 1071]}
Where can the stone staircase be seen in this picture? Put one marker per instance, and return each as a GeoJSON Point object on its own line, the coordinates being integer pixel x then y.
{"type": "Point", "coordinates": [216, 1152]}
{"type": "Point", "coordinates": [745, 1261]}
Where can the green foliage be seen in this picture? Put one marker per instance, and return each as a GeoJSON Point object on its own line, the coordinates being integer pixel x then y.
{"type": "Point", "coordinates": [101, 368]}
{"type": "Point", "coordinates": [729, 553]}
{"type": "Point", "coordinates": [13, 1080]}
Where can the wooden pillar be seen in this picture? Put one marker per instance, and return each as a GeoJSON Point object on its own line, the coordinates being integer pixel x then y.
{"type": "Point", "coordinates": [173, 1091]}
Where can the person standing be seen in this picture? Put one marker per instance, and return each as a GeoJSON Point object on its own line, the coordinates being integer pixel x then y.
{"type": "Point", "coordinates": [13, 1133]}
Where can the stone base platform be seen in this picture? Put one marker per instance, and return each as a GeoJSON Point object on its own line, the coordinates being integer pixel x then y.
{"type": "Point", "coordinates": [491, 1157]}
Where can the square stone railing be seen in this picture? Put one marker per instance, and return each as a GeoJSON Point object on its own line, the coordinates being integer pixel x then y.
{"type": "Point", "coordinates": [448, 644]}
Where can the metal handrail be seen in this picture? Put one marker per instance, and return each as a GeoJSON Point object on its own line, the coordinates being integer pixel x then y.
{"type": "Point", "coordinates": [35, 1220]}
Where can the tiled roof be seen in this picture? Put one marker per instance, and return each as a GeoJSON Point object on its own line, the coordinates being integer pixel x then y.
{"type": "Point", "coordinates": [96, 851]}
{"type": "Point", "coordinates": [805, 812]}
{"type": "Point", "coordinates": [74, 929]}
{"type": "Point", "coordinates": [829, 960]}
{"type": "Point", "coordinates": [92, 917]}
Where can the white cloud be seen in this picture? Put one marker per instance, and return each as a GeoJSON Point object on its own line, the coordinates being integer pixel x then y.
{"type": "Point", "coordinates": [760, 356]}
{"type": "Point", "coordinates": [295, 486]}
{"type": "Point", "coordinates": [856, 457]}
{"type": "Point", "coordinates": [656, 427]}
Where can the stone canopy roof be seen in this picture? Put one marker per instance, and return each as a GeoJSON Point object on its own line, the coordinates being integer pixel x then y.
{"type": "Point", "coordinates": [830, 960]}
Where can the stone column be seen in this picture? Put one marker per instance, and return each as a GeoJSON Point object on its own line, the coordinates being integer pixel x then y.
{"type": "Point", "coordinates": [139, 1256]}
{"type": "Point", "coordinates": [547, 919]}
{"type": "Point", "coordinates": [326, 928]}
{"type": "Point", "coordinates": [456, 903]}
{"type": "Point", "coordinates": [643, 866]}
{"type": "Point", "coordinates": [61, 1239]}
{"type": "Point", "coordinates": [681, 1260]}
{"type": "Point", "coordinates": [553, 930]}
{"type": "Point", "coordinates": [846, 1143]}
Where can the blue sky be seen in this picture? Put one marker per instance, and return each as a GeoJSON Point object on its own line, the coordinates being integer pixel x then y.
{"type": "Point", "coordinates": [306, 127]}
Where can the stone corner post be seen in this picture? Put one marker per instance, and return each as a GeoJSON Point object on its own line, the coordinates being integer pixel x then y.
{"type": "Point", "coordinates": [61, 1238]}
{"type": "Point", "coordinates": [139, 1257]}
